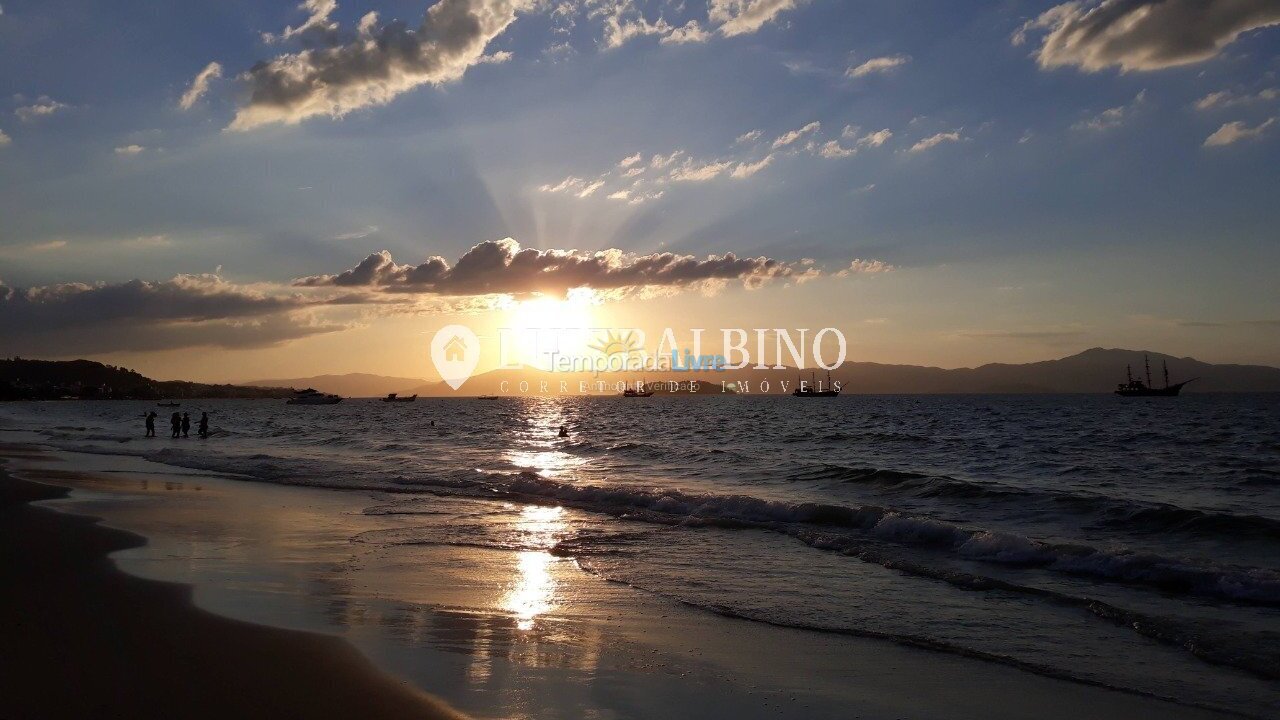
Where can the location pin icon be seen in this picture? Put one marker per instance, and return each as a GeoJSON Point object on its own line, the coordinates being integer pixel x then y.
{"type": "Point", "coordinates": [455, 351]}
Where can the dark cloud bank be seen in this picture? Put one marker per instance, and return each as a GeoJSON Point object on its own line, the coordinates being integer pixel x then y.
{"type": "Point", "coordinates": [502, 266]}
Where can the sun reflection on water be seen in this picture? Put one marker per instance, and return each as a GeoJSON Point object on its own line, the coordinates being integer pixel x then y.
{"type": "Point", "coordinates": [534, 589]}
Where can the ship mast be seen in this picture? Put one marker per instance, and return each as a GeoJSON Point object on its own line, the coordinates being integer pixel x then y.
{"type": "Point", "coordinates": [1166, 373]}
{"type": "Point", "coordinates": [1147, 361]}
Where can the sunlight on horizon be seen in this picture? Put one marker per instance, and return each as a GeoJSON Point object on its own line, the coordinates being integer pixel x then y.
{"type": "Point", "coordinates": [543, 325]}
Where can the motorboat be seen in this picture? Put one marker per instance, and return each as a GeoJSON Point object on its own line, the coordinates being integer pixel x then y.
{"type": "Point", "coordinates": [311, 396]}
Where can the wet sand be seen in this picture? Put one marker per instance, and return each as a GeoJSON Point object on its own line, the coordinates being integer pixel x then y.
{"type": "Point", "coordinates": [84, 640]}
{"type": "Point", "coordinates": [440, 617]}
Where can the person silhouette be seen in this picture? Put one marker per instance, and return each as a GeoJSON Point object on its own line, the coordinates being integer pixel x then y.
{"type": "Point", "coordinates": [176, 422]}
{"type": "Point", "coordinates": [186, 424]}
{"type": "Point", "coordinates": [204, 425]}
{"type": "Point", "coordinates": [564, 431]}
{"type": "Point", "coordinates": [151, 424]}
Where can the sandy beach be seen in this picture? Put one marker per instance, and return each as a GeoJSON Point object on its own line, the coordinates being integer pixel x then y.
{"type": "Point", "coordinates": [295, 616]}
{"type": "Point", "coordinates": [83, 639]}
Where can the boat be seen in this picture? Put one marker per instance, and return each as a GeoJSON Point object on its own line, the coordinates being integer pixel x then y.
{"type": "Point", "coordinates": [393, 397]}
{"type": "Point", "coordinates": [486, 397]}
{"type": "Point", "coordinates": [1136, 388]}
{"type": "Point", "coordinates": [639, 391]}
{"type": "Point", "coordinates": [311, 396]}
{"type": "Point", "coordinates": [168, 404]}
{"type": "Point", "coordinates": [814, 389]}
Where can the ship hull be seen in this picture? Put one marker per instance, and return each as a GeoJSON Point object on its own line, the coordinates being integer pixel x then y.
{"type": "Point", "coordinates": [1171, 391]}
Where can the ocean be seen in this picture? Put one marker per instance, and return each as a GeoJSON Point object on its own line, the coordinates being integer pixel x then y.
{"type": "Point", "coordinates": [1127, 543]}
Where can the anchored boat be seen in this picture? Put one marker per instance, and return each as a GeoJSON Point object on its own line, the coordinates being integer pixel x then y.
{"type": "Point", "coordinates": [1136, 388]}
{"type": "Point", "coordinates": [311, 396]}
{"type": "Point", "coordinates": [814, 389]}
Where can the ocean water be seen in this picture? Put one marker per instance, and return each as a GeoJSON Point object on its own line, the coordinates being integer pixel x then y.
{"type": "Point", "coordinates": [1130, 543]}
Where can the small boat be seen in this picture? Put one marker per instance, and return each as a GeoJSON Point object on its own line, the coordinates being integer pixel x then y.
{"type": "Point", "coordinates": [486, 397]}
{"type": "Point", "coordinates": [168, 404]}
{"type": "Point", "coordinates": [814, 389]}
{"type": "Point", "coordinates": [392, 397]}
{"type": "Point", "coordinates": [311, 396]}
{"type": "Point", "coordinates": [1136, 388]}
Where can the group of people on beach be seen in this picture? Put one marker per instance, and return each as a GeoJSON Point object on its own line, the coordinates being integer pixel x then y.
{"type": "Point", "coordinates": [181, 424]}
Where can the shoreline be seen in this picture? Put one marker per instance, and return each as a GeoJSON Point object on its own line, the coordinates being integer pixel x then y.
{"type": "Point", "coordinates": [85, 639]}
{"type": "Point", "coordinates": [653, 658]}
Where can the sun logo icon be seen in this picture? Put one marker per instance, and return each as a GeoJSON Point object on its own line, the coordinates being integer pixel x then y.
{"type": "Point", "coordinates": [611, 344]}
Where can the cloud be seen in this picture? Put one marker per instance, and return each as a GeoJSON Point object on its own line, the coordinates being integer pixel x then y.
{"type": "Point", "coordinates": [129, 150]}
{"type": "Point", "coordinates": [360, 234]}
{"type": "Point", "coordinates": [874, 139]}
{"type": "Point", "coordinates": [187, 311]}
{"type": "Point", "coordinates": [691, 32]}
{"type": "Point", "coordinates": [791, 137]}
{"type": "Point", "coordinates": [1140, 35]}
{"type": "Point", "coordinates": [1237, 131]}
{"type": "Point", "coordinates": [4, 139]}
{"type": "Point", "coordinates": [935, 140]}
{"type": "Point", "coordinates": [49, 246]}
{"type": "Point", "coordinates": [200, 85]}
{"type": "Point", "coordinates": [622, 22]}
{"type": "Point", "coordinates": [1111, 117]}
{"type": "Point", "coordinates": [503, 267]}
{"type": "Point", "coordinates": [692, 171]}
{"type": "Point", "coordinates": [866, 267]}
{"type": "Point", "coordinates": [1227, 98]}
{"type": "Point", "coordinates": [747, 169]}
{"type": "Point", "coordinates": [878, 65]}
{"type": "Point", "coordinates": [742, 17]}
{"type": "Point", "coordinates": [833, 148]}
{"type": "Point", "coordinates": [147, 242]}
{"type": "Point", "coordinates": [41, 108]}
{"type": "Point", "coordinates": [658, 162]}
{"type": "Point", "coordinates": [634, 180]}
{"type": "Point", "coordinates": [376, 67]}
{"type": "Point", "coordinates": [317, 20]}
{"type": "Point", "coordinates": [575, 186]}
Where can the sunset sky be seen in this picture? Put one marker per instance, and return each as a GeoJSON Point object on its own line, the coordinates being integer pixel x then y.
{"type": "Point", "coordinates": [234, 190]}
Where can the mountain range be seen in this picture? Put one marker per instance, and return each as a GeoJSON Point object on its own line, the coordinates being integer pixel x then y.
{"type": "Point", "coordinates": [1093, 371]}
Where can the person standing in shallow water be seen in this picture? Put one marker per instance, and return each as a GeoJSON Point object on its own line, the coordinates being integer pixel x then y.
{"type": "Point", "coordinates": [204, 425]}
{"type": "Point", "coordinates": [176, 422]}
{"type": "Point", "coordinates": [151, 424]}
{"type": "Point", "coordinates": [186, 424]}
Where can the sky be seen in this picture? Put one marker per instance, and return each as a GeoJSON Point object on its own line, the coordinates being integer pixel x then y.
{"type": "Point", "coordinates": [233, 190]}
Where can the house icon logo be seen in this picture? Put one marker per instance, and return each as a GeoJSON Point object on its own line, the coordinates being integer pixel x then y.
{"type": "Point", "coordinates": [455, 351]}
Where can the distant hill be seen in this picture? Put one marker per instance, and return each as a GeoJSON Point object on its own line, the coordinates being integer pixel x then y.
{"type": "Point", "coordinates": [1093, 371]}
{"type": "Point", "coordinates": [51, 379]}
{"type": "Point", "coordinates": [349, 385]}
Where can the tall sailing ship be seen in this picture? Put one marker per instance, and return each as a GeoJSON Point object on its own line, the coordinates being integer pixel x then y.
{"type": "Point", "coordinates": [1136, 388]}
{"type": "Point", "coordinates": [814, 389]}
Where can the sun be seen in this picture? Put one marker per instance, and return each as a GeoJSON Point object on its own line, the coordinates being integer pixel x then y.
{"type": "Point", "coordinates": [547, 324]}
